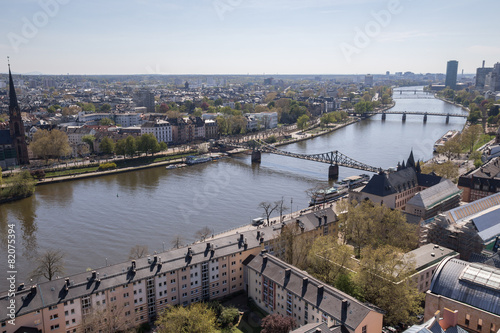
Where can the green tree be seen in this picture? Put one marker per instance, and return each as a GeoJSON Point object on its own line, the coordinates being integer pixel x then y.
{"type": "Point", "coordinates": [105, 107]}
{"type": "Point", "coordinates": [50, 144]}
{"type": "Point", "coordinates": [195, 318]}
{"type": "Point", "coordinates": [302, 122]}
{"type": "Point", "coordinates": [293, 245]}
{"type": "Point", "coordinates": [120, 147]}
{"type": "Point", "coordinates": [89, 139]}
{"type": "Point", "coordinates": [447, 170]}
{"type": "Point", "coordinates": [450, 148]}
{"type": "Point", "coordinates": [130, 145]}
{"type": "Point", "coordinates": [88, 107]}
{"type": "Point", "coordinates": [470, 136]}
{"type": "Point", "coordinates": [107, 146]}
{"type": "Point", "coordinates": [106, 122]}
{"type": "Point", "coordinates": [384, 277]}
{"type": "Point", "coordinates": [328, 259]}
{"type": "Point", "coordinates": [22, 185]}
{"type": "Point", "coordinates": [147, 143]}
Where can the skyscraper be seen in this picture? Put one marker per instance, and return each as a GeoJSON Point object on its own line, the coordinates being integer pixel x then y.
{"type": "Point", "coordinates": [451, 74]}
{"type": "Point", "coordinates": [481, 74]}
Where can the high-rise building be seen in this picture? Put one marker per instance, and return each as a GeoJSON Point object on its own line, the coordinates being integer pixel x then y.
{"type": "Point", "coordinates": [451, 74]}
{"type": "Point", "coordinates": [492, 81]}
{"type": "Point", "coordinates": [368, 80]}
{"type": "Point", "coordinates": [145, 98]}
{"type": "Point", "coordinates": [481, 74]}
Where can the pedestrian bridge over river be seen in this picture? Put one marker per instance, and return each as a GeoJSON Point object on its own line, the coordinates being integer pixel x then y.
{"type": "Point", "coordinates": [334, 158]}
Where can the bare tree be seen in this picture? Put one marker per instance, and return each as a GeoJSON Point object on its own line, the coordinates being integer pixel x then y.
{"type": "Point", "coordinates": [177, 241]}
{"type": "Point", "coordinates": [318, 194]}
{"type": "Point", "coordinates": [268, 208]}
{"type": "Point", "coordinates": [281, 208]}
{"type": "Point", "coordinates": [107, 319]}
{"type": "Point", "coordinates": [138, 251]}
{"type": "Point", "coordinates": [50, 263]}
{"type": "Point", "coordinates": [203, 233]}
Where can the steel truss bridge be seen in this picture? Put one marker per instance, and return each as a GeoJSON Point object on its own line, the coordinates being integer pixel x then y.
{"type": "Point", "coordinates": [334, 158]}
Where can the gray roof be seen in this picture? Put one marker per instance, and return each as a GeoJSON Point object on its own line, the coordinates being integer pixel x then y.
{"type": "Point", "coordinates": [429, 254]}
{"type": "Point", "coordinates": [314, 328]}
{"type": "Point", "coordinates": [52, 292]}
{"type": "Point", "coordinates": [488, 225]}
{"type": "Point", "coordinates": [450, 281]}
{"type": "Point", "coordinates": [434, 195]}
{"type": "Point", "coordinates": [386, 184]}
{"type": "Point", "coordinates": [315, 292]}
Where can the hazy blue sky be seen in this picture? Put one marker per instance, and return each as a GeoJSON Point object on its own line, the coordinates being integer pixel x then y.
{"type": "Point", "coordinates": [247, 36]}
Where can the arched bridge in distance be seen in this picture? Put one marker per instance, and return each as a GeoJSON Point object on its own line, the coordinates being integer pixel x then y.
{"type": "Point", "coordinates": [334, 158]}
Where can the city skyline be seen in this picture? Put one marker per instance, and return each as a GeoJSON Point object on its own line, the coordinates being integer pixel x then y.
{"type": "Point", "coordinates": [247, 37]}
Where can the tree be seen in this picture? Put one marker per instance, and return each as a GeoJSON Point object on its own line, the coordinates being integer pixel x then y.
{"type": "Point", "coordinates": [106, 318]}
{"type": "Point", "coordinates": [89, 139]}
{"type": "Point", "coordinates": [47, 144]}
{"type": "Point", "coordinates": [281, 207]}
{"type": "Point", "coordinates": [293, 245]}
{"type": "Point", "coordinates": [106, 122]}
{"type": "Point", "coordinates": [195, 318]}
{"type": "Point", "coordinates": [203, 233]}
{"type": "Point", "coordinates": [450, 148]}
{"type": "Point", "coordinates": [49, 264]}
{"type": "Point", "coordinates": [366, 224]}
{"type": "Point", "coordinates": [276, 323]}
{"type": "Point", "coordinates": [302, 122]}
{"type": "Point", "coordinates": [447, 169]}
{"type": "Point", "coordinates": [88, 107]}
{"type": "Point", "coordinates": [177, 241]}
{"type": "Point", "coordinates": [148, 143]}
{"type": "Point", "coordinates": [228, 316]}
{"type": "Point", "coordinates": [384, 277]}
{"type": "Point", "coordinates": [268, 208]}
{"type": "Point", "coordinates": [328, 260]}
{"type": "Point", "coordinates": [105, 107]}
{"type": "Point", "coordinates": [164, 108]}
{"type": "Point", "coordinates": [470, 136]}
{"type": "Point", "coordinates": [107, 146]}
{"type": "Point", "coordinates": [163, 146]}
{"type": "Point", "coordinates": [138, 251]}
{"type": "Point", "coordinates": [120, 147]}
{"type": "Point", "coordinates": [130, 146]}
{"type": "Point", "coordinates": [22, 185]}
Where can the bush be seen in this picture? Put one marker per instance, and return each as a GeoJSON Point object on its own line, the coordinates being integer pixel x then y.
{"type": "Point", "coordinates": [271, 139]}
{"type": "Point", "coordinates": [38, 174]}
{"type": "Point", "coordinates": [106, 166]}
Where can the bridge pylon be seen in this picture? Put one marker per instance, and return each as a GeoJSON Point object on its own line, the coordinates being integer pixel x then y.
{"type": "Point", "coordinates": [404, 117]}
{"type": "Point", "coordinates": [333, 171]}
{"type": "Point", "coordinates": [256, 156]}
{"type": "Point", "coordinates": [425, 118]}
{"type": "Point", "coordinates": [447, 119]}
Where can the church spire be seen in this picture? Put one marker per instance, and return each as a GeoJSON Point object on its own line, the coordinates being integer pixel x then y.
{"type": "Point", "coordinates": [411, 160]}
{"type": "Point", "coordinates": [13, 105]}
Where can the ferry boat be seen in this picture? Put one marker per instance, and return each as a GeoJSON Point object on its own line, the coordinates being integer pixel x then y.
{"type": "Point", "coordinates": [190, 160]}
{"type": "Point", "coordinates": [446, 137]}
{"type": "Point", "coordinates": [338, 190]}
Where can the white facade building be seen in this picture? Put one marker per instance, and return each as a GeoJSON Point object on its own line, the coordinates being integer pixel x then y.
{"type": "Point", "coordinates": [127, 119]}
{"type": "Point", "coordinates": [161, 129]}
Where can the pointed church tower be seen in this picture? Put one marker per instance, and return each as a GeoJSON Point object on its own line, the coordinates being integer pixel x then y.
{"type": "Point", "coordinates": [411, 161]}
{"type": "Point", "coordinates": [16, 125]}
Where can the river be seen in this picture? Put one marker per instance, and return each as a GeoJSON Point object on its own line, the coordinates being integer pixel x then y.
{"type": "Point", "coordinates": [96, 221]}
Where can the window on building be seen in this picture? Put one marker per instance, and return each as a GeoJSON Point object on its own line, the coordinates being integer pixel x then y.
{"type": "Point", "coordinates": [479, 324]}
{"type": "Point", "coordinates": [467, 320]}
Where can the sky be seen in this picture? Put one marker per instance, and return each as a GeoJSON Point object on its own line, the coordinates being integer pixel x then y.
{"type": "Point", "coordinates": [247, 36]}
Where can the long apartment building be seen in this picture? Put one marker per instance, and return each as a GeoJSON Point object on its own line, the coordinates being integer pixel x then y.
{"type": "Point", "coordinates": [135, 292]}
{"type": "Point", "coordinates": [278, 287]}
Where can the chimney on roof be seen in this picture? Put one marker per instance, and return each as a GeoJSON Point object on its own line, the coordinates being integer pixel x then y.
{"type": "Point", "coordinates": [343, 313]}
{"type": "Point", "coordinates": [133, 265]}
{"type": "Point", "coordinates": [241, 237]}
{"type": "Point", "coordinates": [304, 282]}
{"type": "Point", "coordinates": [190, 252]}
{"type": "Point", "coordinates": [258, 234]}
{"type": "Point", "coordinates": [318, 330]}
{"type": "Point", "coordinates": [264, 260]}
{"type": "Point", "coordinates": [208, 246]}
{"type": "Point", "coordinates": [288, 271]}
{"type": "Point", "coordinates": [21, 286]}
{"type": "Point", "coordinates": [94, 275]}
{"type": "Point", "coordinates": [262, 240]}
{"type": "Point", "coordinates": [155, 259]}
{"type": "Point", "coordinates": [33, 289]}
{"type": "Point", "coordinates": [66, 281]}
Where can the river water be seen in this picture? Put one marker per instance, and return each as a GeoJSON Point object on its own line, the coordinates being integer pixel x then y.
{"type": "Point", "coordinates": [96, 221]}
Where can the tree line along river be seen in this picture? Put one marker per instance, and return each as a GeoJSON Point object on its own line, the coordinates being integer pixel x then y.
{"type": "Point", "coordinates": [96, 221]}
